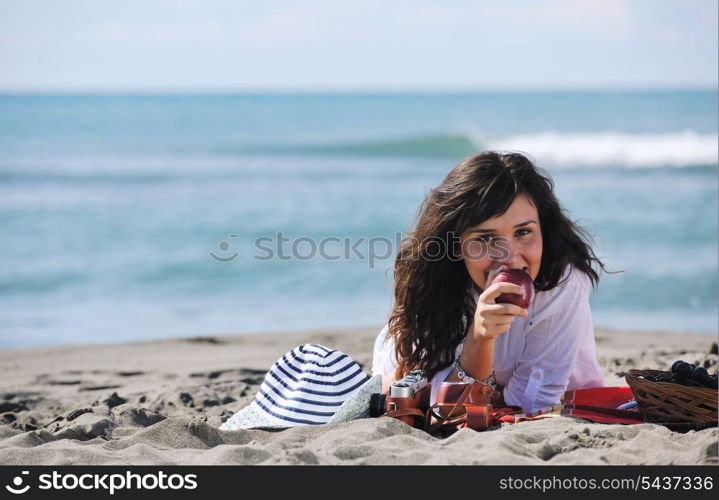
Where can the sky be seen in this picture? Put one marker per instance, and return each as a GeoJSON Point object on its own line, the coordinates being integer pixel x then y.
{"type": "Point", "coordinates": [234, 45]}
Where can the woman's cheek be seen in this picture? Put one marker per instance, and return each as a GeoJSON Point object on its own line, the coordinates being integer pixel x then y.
{"type": "Point", "coordinates": [476, 271]}
{"type": "Point", "coordinates": [535, 254]}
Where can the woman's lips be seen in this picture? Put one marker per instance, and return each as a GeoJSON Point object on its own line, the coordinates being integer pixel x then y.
{"type": "Point", "coordinates": [494, 272]}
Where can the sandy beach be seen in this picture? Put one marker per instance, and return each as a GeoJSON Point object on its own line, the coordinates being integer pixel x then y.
{"type": "Point", "coordinates": [162, 402]}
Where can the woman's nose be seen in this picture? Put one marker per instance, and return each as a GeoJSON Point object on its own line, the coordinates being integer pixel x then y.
{"type": "Point", "coordinates": [511, 256]}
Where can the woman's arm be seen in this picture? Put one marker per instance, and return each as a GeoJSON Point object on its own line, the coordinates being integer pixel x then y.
{"type": "Point", "coordinates": [490, 321]}
{"type": "Point", "coordinates": [477, 359]}
{"type": "Point", "coordinates": [551, 346]}
{"type": "Point", "coordinates": [383, 359]}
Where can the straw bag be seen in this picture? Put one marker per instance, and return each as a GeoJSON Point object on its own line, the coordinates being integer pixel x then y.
{"type": "Point", "coordinates": [668, 402]}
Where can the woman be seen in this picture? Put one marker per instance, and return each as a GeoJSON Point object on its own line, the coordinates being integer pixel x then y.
{"type": "Point", "coordinates": [493, 211]}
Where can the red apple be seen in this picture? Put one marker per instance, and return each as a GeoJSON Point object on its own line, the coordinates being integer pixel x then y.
{"type": "Point", "coordinates": [518, 277]}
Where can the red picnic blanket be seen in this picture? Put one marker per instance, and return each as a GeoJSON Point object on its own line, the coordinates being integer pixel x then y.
{"type": "Point", "coordinates": [598, 405]}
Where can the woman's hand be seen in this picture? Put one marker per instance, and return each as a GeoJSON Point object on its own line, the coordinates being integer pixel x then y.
{"type": "Point", "coordinates": [491, 319]}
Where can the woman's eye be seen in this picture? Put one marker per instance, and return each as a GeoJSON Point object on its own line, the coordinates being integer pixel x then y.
{"type": "Point", "coordinates": [491, 238]}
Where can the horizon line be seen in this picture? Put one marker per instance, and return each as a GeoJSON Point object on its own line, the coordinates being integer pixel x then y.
{"type": "Point", "coordinates": [269, 90]}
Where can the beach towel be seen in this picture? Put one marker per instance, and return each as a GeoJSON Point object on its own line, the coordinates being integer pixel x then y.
{"type": "Point", "coordinates": [598, 405]}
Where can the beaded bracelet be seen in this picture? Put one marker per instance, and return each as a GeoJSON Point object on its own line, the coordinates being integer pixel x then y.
{"type": "Point", "coordinates": [462, 374]}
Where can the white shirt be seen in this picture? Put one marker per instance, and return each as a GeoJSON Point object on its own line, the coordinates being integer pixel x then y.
{"type": "Point", "coordinates": [544, 354]}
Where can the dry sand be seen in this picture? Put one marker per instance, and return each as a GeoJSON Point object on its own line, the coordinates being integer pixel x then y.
{"type": "Point", "coordinates": [161, 403]}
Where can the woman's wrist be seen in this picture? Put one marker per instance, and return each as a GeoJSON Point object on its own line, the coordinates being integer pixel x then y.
{"type": "Point", "coordinates": [477, 358]}
{"type": "Point", "coordinates": [464, 376]}
{"type": "Point", "coordinates": [471, 340]}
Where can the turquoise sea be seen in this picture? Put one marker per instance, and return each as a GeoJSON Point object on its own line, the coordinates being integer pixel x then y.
{"type": "Point", "coordinates": [117, 211]}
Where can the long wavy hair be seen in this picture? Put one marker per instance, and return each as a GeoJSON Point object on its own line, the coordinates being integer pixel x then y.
{"type": "Point", "coordinates": [433, 306]}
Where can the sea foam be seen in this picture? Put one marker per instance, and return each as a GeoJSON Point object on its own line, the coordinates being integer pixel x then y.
{"type": "Point", "coordinates": [677, 149]}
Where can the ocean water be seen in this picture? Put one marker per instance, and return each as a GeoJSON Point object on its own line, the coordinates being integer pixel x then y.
{"type": "Point", "coordinates": [130, 217]}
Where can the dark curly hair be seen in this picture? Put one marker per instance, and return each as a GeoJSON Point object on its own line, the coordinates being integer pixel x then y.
{"type": "Point", "coordinates": [433, 306]}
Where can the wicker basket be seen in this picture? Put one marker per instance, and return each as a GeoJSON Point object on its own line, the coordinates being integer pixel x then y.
{"type": "Point", "coordinates": [667, 402]}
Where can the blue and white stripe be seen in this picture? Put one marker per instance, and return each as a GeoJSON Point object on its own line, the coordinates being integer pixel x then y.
{"type": "Point", "coordinates": [305, 386]}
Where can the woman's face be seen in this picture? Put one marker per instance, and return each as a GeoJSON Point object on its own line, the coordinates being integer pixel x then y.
{"type": "Point", "coordinates": [512, 240]}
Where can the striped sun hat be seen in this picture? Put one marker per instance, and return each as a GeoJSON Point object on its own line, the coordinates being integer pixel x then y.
{"type": "Point", "coordinates": [306, 386]}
